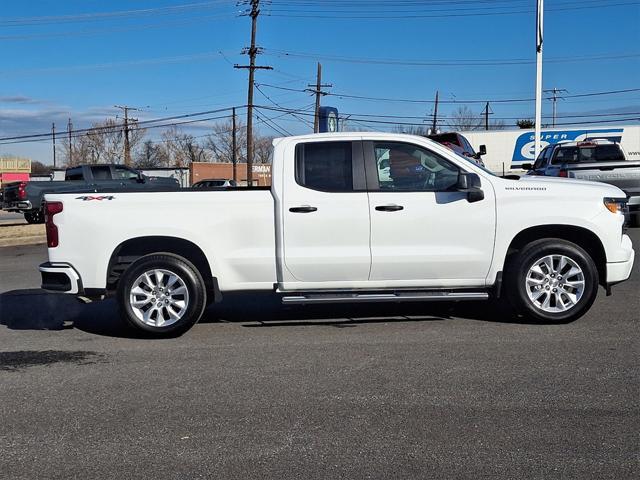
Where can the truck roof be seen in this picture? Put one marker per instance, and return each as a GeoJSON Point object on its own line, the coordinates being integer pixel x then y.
{"type": "Point", "coordinates": [368, 135]}
{"type": "Point", "coordinates": [586, 143]}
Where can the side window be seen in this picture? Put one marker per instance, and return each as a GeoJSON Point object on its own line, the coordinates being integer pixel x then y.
{"type": "Point", "coordinates": [101, 172]}
{"type": "Point", "coordinates": [566, 155]}
{"type": "Point", "coordinates": [325, 166]}
{"type": "Point", "coordinates": [406, 167]}
{"type": "Point", "coordinates": [124, 173]}
{"type": "Point", "coordinates": [543, 159]}
{"type": "Point", "coordinates": [74, 174]}
{"type": "Point", "coordinates": [466, 145]}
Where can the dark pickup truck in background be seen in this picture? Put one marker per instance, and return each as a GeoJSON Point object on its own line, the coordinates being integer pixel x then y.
{"type": "Point", "coordinates": [596, 160]}
{"type": "Point", "coordinates": [28, 197]}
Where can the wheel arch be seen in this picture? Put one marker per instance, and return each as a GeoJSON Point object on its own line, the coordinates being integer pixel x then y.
{"type": "Point", "coordinates": [132, 249]}
{"type": "Point", "coordinates": [581, 236]}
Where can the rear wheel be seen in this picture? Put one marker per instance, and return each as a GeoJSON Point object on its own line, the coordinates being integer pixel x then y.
{"type": "Point", "coordinates": [34, 216]}
{"type": "Point", "coordinates": [161, 294]}
{"type": "Point", "coordinates": [552, 280]}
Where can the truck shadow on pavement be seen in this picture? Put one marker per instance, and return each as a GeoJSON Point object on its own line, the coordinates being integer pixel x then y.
{"type": "Point", "coordinates": [35, 309]}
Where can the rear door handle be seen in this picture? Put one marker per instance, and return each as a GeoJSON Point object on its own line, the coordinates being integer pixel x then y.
{"type": "Point", "coordinates": [389, 208]}
{"type": "Point", "coordinates": [303, 209]}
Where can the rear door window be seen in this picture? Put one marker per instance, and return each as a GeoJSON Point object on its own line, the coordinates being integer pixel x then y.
{"type": "Point", "coordinates": [74, 174]}
{"type": "Point", "coordinates": [325, 166]}
{"type": "Point", "coordinates": [101, 172]}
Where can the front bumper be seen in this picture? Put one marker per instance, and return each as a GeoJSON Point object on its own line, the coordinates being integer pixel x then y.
{"type": "Point", "coordinates": [60, 277]}
{"type": "Point", "coordinates": [620, 271]}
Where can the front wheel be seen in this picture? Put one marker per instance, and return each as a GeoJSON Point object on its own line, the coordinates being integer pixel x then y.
{"type": "Point", "coordinates": [161, 294]}
{"type": "Point", "coordinates": [552, 281]}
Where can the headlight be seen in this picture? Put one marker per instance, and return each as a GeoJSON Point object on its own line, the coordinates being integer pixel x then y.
{"type": "Point", "coordinates": [616, 205]}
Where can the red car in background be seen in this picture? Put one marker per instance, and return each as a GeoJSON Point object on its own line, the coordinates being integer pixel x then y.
{"type": "Point", "coordinates": [459, 144]}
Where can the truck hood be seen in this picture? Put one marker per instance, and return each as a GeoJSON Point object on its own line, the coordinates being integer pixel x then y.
{"type": "Point", "coordinates": [571, 183]}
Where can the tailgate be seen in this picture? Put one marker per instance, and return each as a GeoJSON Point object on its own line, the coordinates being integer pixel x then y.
{"type": "Point", "coordinates": [10, 193]}
{"type": "Point", "coordinates": [624, 175]}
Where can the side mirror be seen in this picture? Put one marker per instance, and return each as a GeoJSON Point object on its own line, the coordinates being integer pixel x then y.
{"type": "Point", "coordinates": [470, 184]}
{"type": "Point", "coordinates": [140, 178]}
{"type": "Point", "coordinates": [526, 166]}
{"type": "Point", "coordinates": [483, 150]}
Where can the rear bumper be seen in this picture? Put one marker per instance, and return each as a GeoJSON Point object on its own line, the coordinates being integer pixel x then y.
{"type": "Point", "coordinates": [60, 277]}
{"type": "Point", "coordinates": [17, 206]}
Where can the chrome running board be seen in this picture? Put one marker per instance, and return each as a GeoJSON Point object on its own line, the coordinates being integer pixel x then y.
{"type": "Point", "coordinates": [398, 296]}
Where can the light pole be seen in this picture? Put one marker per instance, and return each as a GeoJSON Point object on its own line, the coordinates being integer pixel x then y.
{"type": "Point", "coordinates": [539, 42]}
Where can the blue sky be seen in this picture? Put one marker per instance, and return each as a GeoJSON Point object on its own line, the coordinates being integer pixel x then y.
{"type": "Point", "coordinates": [179, 60]}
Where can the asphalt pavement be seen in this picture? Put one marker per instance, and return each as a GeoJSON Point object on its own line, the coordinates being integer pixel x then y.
{"type": "Point", "coordinates": [259, 391]}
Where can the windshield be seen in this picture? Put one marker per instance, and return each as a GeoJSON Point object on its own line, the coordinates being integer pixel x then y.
{"type": "Point", "coordinates": [472, 161]}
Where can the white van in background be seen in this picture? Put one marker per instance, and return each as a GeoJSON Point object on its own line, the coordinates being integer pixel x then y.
{"type": "Point", "coordinates": [507, 150]}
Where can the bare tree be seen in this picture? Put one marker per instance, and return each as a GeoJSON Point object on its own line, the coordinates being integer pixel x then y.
{"type": "Point", "coordinates": [151, 155]}
{"type": "Point", "coordinates": [464, 119]}
{"type": "Point", "coordinates": [102, 143]}
{"type": "Point", "coordinates": [411, 129]}
{"type": "Point", "coordinates": [263, 149]}
{"type": "Point", "coordinates": [220, 142]}
{"type": "Point", "coordinates": [497, 125]}
{"type": "Point", "coordinates": [182, 148]}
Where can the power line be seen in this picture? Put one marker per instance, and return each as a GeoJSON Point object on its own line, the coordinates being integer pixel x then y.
{"type": "Point", "coordinates": [408, 100]}
{"type": "Point", "coordinates": [481, 12]}
{"type": "Point", "coordinates": [449, 62]}
{"type": "Point", "coordinates": [365, 120]}
{"type": "Point", "coordinates": [278, 105]}
{"type": "Point", "coordinates": [86, 17]}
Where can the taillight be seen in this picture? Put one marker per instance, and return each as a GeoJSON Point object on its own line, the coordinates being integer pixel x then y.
{"type": "Point", "coordinates": [563, 173]}
{"type": "Point", "coordinates": [22, 191]}
{"type": "Point", "coordinates": [50, 209]}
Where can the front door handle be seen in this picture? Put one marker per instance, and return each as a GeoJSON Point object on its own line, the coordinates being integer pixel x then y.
{"type": "Point", "coordinates": [389, 208]}
{"type": "Point", "coordinates": [303, 209]}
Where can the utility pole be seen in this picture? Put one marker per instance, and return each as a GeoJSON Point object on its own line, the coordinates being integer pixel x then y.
{"type": "Point", "coordinates": [318, 92]}
{"type": "Point", "coordinates": [234, 154]}
{"type": "Point", "coordinates": [434, 128]}
{"type": "Point", "coordinates": [555, 91]}
{"type": "Point", "coordinates": [127, 147]}
{"type": "Point", "coordinates": [486, 113]}
{"type": "Point", "coordinates": [252, 51]}
{"type": "Point", "coordinates": [539, 42]}
{"type": "Point", "coordinates": [69, 128]}
{"type": "Point", "coordinates": [53, 138]}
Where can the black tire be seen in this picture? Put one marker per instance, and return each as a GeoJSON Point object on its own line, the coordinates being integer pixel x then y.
{"type": "Point", "coordinates": [189, 276]}
{"type": "Point", "coordinates": [517, 291]}
{"type": "Point", "coordinates": [34, 216]}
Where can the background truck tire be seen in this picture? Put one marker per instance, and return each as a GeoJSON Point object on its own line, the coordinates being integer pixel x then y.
{"type": "Point", "coordinates": [34, 216]}
{"type": "Point", "coordinates": [551, 281]}
{"type": "Point", "coordinates": [161, 294]}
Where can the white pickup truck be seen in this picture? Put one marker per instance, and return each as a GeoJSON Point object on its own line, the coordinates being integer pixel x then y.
{"type": "Point", "coordinates": [350, 217]}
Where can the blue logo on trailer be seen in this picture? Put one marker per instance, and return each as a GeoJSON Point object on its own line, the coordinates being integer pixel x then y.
{"type": "Point", "coordinates": [328, 119]}
{"type": "Point", "coordinates": [524, 148]}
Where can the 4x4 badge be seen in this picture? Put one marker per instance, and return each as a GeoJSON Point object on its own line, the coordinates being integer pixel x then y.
{"type": "Point", "coordinates": [87, 198]}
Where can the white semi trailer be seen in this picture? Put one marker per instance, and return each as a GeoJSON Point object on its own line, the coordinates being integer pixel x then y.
{"type": "Point", "coordinates": [507, 150]}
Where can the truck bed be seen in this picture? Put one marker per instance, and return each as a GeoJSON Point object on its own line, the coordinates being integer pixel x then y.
{"type": "Point", "coordinates": [233, 227]}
